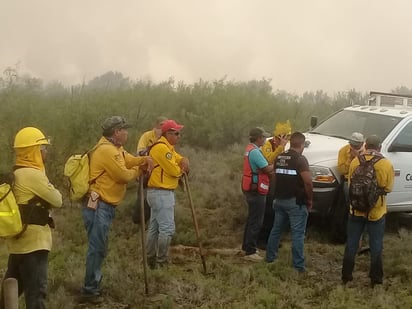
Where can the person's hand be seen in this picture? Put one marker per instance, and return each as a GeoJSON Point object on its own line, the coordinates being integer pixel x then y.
{"type": "Point", "coordinates": [147, 165]}
{"type": "Point", "coordinates": [309, 204]}
{"type": "Point", "coordinates": [273, 143]}
{"type": "Point", "coordinates": [184, 165]}
{"type": "Point", "coordinates": [283, 140]}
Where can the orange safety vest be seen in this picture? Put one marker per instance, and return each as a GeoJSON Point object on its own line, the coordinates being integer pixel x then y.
{"type": "Point", "coordinates": [262, 186]}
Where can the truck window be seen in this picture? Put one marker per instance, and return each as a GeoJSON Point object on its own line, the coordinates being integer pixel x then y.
{"type": "Point", "coordinates": [345, 122]}
{"type": "Point", "coordinates": [403, 142]}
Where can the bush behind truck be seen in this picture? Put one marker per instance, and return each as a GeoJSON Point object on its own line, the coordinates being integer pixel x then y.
{"type": "Point", "coordinates": [387, 115]}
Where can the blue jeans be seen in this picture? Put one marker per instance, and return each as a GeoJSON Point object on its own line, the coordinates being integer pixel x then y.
{"type": "Point", "coordinates": [161, 225]}
{"type": "Point", "coordinates": [288, 212]}
{"type": "Point", "coordinates": [30, 271]}
{"type": "Point", "coordinates": [376, 231]}
{"type": "Point", "coordinates": [97, 223]}
{"type": "Point", "coordinates": [256, 203]}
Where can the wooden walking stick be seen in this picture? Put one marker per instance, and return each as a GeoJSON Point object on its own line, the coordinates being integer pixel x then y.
{"type": "Point", "coordinates": [189, 195]}
{"type": "Point", "coordinates": [11, 295]}
{"type": "Point", "coordinates": [143, 233]}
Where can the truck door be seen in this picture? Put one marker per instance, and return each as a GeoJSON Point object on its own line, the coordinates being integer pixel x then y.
{"type": "Point", "coordinates": [399, 152]}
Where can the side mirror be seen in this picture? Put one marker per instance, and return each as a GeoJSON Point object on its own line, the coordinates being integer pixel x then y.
{"type": "Point", "coordinates": [313, 121]}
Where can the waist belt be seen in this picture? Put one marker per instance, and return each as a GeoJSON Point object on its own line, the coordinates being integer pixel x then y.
{"type": "Point", "coordinates": [38, 215]}
{"type": "Point", "coordinates": [155, 188]}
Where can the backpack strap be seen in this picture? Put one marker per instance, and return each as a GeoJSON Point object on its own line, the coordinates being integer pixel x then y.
{"type": "Point", "coordinates": [151, 147]}
{"type": "Point", "coordinates": [5, 195]}
{"type": "Point", "coordinates": [375, 159]}
{"type": "Point", "coordinates": [362, 159]}
{"type": "Point", "coordinates": [154, 144]}
{"type": "Point", "coordinates": [157, 165]}
{"type": "Point", "coordinates": [88, 154]}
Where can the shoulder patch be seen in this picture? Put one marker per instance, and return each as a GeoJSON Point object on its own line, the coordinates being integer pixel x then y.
{"type": "Point", "coordinates": [169, 155]}
{"type": "Point", "coordinates": [117, 157]}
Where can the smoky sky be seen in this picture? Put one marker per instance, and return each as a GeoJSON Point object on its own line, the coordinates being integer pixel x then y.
{"type": "Point", "coordinates": [299, 45]}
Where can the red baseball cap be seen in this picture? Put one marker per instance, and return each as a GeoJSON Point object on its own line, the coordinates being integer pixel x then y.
{"type": "Point", "coordinates": [171, 125]}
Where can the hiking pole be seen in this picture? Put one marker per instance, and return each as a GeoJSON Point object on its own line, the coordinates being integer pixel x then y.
{"type": "Point", "coordinates": [143, 230]}
{"type": "Point", "coordinates": [189, 195]}
{"type": "Point", "coordinates": [11, 296]}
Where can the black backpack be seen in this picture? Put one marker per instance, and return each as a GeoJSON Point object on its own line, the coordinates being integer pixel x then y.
{"type": "Point", "coordinates": [363, 189]}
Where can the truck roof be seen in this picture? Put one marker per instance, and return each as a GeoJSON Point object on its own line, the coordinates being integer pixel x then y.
{"type": "Point", "coordinates": [394, 111]}
{"type": "Point", "coordinates": [390, 100]}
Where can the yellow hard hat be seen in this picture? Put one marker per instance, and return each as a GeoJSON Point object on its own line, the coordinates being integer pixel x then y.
{"type": "Point", "coordinates": [282, 129]}
{"type": "Point", "coordinates": [30, 136]}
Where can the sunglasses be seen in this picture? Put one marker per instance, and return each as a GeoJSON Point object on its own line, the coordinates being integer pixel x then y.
{"type": "Point", "coordinates": [174, 133]}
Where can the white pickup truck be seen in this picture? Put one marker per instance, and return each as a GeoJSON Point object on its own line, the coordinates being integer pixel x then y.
{"type": "Point", "coordinates": [387, 115]}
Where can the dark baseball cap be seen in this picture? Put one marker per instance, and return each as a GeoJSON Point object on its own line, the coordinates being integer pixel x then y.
{"type": "Point", "coordinates": [258, 132]}
{"type": "Point", "coordinates": [115, 122]}
{"type": "Point", "coordinates": [373, 142]}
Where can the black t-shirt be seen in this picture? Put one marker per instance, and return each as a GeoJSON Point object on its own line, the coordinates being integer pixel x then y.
{"type": "Point", "coordinates": [289, 183]}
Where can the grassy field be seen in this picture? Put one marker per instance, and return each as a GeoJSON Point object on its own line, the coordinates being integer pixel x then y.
{"type": "Point", "coordinates": [230, 282]}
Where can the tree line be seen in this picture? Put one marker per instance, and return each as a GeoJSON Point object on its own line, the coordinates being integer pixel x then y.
{"type": "Point", "coordinates": [216, 114]}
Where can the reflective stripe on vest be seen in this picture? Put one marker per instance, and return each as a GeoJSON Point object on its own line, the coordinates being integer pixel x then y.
{"type": "Point", "coordinates": [285, 171]}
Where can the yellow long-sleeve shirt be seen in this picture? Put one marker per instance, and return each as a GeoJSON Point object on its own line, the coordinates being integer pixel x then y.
{"type": "Point", "coordinates": [385, 178]}
{"type": "Point", "coordinates": [166, 171]}
{"type": "Point", "coordinates": [269, 153]}
{"type": "Point", "coordinates": [111, 168]}
{"type": "Point", "coordinates": [147, 139]}
{"type": "Point", "coordinates": [344, 159]}
{"type": "Point", "coordinates": [28, 183]}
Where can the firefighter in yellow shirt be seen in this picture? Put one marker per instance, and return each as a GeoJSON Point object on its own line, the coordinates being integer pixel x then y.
{"type": "Point", "coordinates": [168, 168]}
{"type": "Point", "coordinates": [36, 196]}
{"type": "Point", "coordinates": [373, 221]}
{"type": "Point", "coordinates": [111, 168]}
{"type": "Point", "coordinates": [276, 145]}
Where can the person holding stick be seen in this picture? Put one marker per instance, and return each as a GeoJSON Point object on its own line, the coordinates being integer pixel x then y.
{"type": "Point", "coordinates": [111, 168]}
{"type": "Point", "coordinates": [168, 168]}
